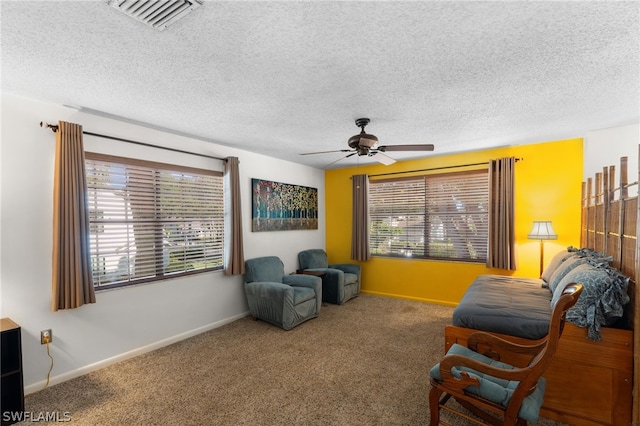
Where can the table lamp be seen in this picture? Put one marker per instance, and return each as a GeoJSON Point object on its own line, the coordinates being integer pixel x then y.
{"type": "Point", "coordinates": [542, 230]}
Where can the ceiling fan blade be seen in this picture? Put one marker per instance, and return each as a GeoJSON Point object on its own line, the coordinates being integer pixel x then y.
{"type": "Point", "coordinates": [423, 147]}
{"type": "Point", "coordinates": [341, 158]}
{"type": "Point", "coordinates": [326, 152]}
{"type": "Point", "coordinates": [382, 158]}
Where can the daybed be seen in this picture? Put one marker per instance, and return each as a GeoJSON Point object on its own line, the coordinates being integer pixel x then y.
{"type": "Point", "coordinates": [591, 379]}
{"type": "Point", "coordinates": [521, 306]}
{"type": "Point", "coordinates": [592, 370]}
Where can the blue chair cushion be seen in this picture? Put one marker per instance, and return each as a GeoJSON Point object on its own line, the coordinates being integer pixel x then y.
{"type": "Point", "coordinates": [492, 388]}
{"type": "Point", "coordinates": [350, 278]}
{"type": "Point", "coordinates": [302, 294]}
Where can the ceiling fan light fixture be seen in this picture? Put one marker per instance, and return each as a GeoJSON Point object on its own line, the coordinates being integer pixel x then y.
{"type": "Point", "coordinates": [354, 141]}
{"type": "Point", "coordinates": [369, 141]}
{"type": "Point", "coordinates": [363, 139]}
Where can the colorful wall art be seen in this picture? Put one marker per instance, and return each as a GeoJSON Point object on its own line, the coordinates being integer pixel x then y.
{"type": "Point", "coordinates": [279, 206]}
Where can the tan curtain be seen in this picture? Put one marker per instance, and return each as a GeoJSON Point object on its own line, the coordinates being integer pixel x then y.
{"type": "Point", "coordinates": [360, 226]}
{"type": "Point", "coordinates": [234, 252]}
{"type": "Point", "coordinates": [501, 214]}
{"type": "Point", "coordinates": [72, 282]}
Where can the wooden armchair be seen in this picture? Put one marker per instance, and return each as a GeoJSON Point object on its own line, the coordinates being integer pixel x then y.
{"type": "Point", "coordinates": [497, 392]}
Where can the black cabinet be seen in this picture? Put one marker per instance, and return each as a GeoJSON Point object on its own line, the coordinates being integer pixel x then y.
{"type": "Point", "coordinates": [12, 405]}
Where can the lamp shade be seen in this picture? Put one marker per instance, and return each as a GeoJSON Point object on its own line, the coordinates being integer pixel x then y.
{"type": "Point", "coordinates": [542, 230]}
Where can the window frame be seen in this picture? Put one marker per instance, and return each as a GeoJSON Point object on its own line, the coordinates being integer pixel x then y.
{"type": "Point", "coordinates": [426, 235]}
{"type": "Point", "coordinates": [159, 262]}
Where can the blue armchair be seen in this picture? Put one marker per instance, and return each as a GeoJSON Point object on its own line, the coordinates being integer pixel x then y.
{"type": "Point", "coordinates": [282, 300]}
{"type": "Point", "coordinates": [340, 282]}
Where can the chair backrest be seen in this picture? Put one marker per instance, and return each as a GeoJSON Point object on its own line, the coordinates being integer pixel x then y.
{"type": "Point", "coordinates": [313, 258]}
{"type": "Point", "coordinates": [549, 345]}
{"type": "Point", "coordinates": [569, 298]}
{"type": "Point", "coordinates": [264, 269]}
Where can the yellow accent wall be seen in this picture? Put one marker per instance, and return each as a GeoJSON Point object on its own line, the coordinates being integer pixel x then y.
{"type": "Point", "coordinates": [548, 187]}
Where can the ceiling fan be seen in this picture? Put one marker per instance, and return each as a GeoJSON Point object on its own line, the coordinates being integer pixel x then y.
{"type": "Point", "coordinates": [366, 144]}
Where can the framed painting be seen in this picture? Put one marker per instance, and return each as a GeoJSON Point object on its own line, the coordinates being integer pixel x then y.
{"type": "Point", "coordinates": [277, 206]}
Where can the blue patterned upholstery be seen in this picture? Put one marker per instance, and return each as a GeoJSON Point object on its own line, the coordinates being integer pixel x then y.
{"type": "Point", "coordinates": [603, 300]}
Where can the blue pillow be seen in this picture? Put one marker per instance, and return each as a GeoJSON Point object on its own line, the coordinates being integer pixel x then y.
{"type": "Point", "coordinates": [554, 263]}
{"type": "Point", "coordinates": [584, 274]}
{"type": "Point", "coordinates": [564, 268]}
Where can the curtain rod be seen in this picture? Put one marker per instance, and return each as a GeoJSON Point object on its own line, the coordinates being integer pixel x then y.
{"type": "Point", "coordinates": [54, 129]}
{"type": "Point", "coordinates": [437, 168]}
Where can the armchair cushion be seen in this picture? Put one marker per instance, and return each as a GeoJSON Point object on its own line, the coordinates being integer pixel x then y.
{"type": "Point", "coordinates": [492, 388]}
{"type": "Point", "coordinates": [350, 278]}
{"type": "Point", "coordinates": [302, 294]}
{"type": "Point", "coordinates": [351, 271]}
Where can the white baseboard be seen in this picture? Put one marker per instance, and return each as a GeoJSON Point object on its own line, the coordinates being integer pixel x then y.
{"type": "Point", "coordinates": [38, 386]}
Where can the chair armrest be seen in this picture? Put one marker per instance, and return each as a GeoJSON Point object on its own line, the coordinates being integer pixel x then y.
{"type": "Point", "coordinates": [497, 347]}
{"type": "Point", "coordinates": [347, 267]}
{"type": "Point", "coordinates": [333, 276]}
{"type": "Point", "coordinates": [311, 281]}
{"type": "Point", "coordinates": [269, 301]}
{"type": "Point", "coordinates": [330, 276]}
{"type": "Point", "coordinates": [462, 362]}
{"type": "Point", "coordinates": [267, 289]}
{"type": "Point", "coordinates": [301, 280]}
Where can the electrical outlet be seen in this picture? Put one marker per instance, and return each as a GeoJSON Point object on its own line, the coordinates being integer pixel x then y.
{"type": "Point", "coordinates": [46, 336]}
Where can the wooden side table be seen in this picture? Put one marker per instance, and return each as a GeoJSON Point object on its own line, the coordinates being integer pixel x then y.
{"type": "Point", "coordinates": [314, 273]}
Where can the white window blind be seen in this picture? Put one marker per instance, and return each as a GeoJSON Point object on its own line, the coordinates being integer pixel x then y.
{"type": "Point", "coordinates": [458, 215]}
{"type": "Point", "coordinates": [150, 221]}
{"type": "Point", "coordinates": [442, 216]}
{"type": "Point", "coordinates": [397, 217]}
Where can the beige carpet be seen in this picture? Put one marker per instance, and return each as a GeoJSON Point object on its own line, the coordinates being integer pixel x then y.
{"type": "Point", "coordinates": [362, 363]}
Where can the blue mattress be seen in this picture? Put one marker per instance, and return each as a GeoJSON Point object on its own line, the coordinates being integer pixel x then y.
{"type": "Point", "coordinates": [507, 305]}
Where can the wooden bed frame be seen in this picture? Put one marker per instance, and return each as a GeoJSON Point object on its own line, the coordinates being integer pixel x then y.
{"type": "Point", "coordinates": [589, 382]}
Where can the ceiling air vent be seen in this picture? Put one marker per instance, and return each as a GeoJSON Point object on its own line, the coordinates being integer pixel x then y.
{"type": "Point", "coordinates": [158, 14]}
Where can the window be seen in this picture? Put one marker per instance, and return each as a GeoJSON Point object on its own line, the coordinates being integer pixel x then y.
{"type": "Point", "coordinates": [150, 221]}
{"type": "Point", "coordinates": [443, 216]}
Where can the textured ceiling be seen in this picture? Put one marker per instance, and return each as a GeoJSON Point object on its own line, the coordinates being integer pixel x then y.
{"type": "Point", "coordinates": [284, 78]}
